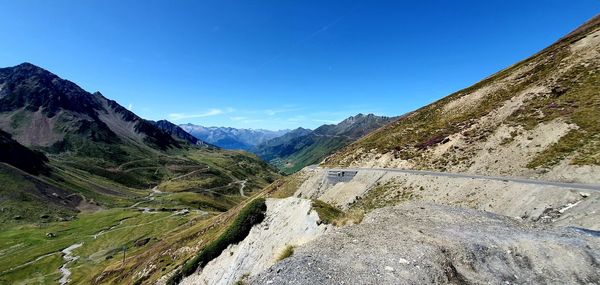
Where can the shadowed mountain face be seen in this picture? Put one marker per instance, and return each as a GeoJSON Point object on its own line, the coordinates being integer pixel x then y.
{"type": "Point", "coordinates": [302, 147]}
{"type": "Point", "coordinates": [35, 89]}
{"type": "Point", "coordinates": [232, 138]}
{"type": "Point", "coordinates": [15, 154]}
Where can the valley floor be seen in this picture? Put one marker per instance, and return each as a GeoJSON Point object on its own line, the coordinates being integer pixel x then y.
{"type": "Point", "coordinates": [33, 254]}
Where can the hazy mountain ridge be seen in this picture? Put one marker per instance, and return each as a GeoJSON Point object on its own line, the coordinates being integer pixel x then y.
{"type": "Point", "coordinates": [232, 138]}
{"type": "Point", "coordinates": [292, 153]}
{"type": "Point", "coordinates": [273, 148]}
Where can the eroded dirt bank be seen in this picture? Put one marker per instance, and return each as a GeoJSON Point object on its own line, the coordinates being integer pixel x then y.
{"type": "Point", "coordinates": [288, 222]}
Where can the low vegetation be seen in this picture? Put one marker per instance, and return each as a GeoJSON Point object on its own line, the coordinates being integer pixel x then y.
{"type": "Point", "coordinates": [103, 234]}
{"type": "Point", "coordinates": [327, 213]}
{"type": "Point", "coordinates": [330, 214]}
{"type": "Point", "coordinates": [576, 100]}
{"type": "Point", "coordinates": [287, 252]}
{"type": "Point", "coordinates": [382, 195]}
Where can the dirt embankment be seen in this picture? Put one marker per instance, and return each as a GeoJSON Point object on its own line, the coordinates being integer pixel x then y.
{"type": "Point", "coordinates": [288, 222]}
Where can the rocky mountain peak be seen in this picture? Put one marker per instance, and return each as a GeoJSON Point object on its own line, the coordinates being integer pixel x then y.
{"type": "Point", "coordinates": [27, 85]}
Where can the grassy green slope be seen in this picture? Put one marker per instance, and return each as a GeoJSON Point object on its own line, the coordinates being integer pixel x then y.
{"type": "Point", "coordinates": [106, 172]}
{"type": "Point", "coordinates": [29, 256]}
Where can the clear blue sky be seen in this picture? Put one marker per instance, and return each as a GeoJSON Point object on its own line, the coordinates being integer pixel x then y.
{"type": "Point", "coordinates": [279, 64]}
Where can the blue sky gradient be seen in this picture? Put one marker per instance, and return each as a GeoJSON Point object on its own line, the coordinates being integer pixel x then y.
{"type": "Point", "coordinates": [279, 64]}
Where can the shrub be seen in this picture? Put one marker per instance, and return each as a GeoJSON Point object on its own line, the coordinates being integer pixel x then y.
{"type": "Point", "coordinates": [287, 252]}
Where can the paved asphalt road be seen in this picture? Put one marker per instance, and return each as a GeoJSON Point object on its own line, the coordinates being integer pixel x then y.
{"type": "Point", "coordinates": [580, 186]}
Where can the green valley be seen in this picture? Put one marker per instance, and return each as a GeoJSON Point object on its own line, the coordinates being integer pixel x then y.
{"type": "Point", "coordinates": [86, 182]}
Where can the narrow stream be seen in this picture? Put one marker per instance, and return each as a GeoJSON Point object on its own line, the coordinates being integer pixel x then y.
{"type": "Point", "coordinates": [69, 258]}
{"type": "Point", "coordinates": [242, 186]}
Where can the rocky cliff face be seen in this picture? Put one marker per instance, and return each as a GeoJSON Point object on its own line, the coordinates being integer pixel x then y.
{"type": "Point", "coordinates": [40, 109]}
{"type": "Point", "coordinates": [537, 118]}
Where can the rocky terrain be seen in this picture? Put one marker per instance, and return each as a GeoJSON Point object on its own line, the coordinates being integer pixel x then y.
{"type": "Point", "coordinates": [424, 243]}
{"type": "Point", "coordinates": [371, 189]}
{"type": "Point", "coordinates": [501, 221]}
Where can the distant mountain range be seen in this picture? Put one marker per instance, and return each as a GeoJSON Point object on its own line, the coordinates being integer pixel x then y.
{"type": "Point", "coordinates": [179, 133]}
{"type": "Point", "coordinates": [58, 138]}
{"type": "Point", "coordinates": [302, 147]}
{"type": "Point", "coordinates": [232, 138]}
{"type": "Point", "coordinates": [290, 150]}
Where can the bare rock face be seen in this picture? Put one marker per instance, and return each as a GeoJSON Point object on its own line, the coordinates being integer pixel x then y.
{"type": "Point", "coordinates": [422, 243]}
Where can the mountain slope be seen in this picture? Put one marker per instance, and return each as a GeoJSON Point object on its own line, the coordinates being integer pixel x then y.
{"type": "Point", "coordinates": [279, 146]}
{"type": "Point", "coordinates": [89, 145]}
{"type": "Point", "coordinates": [291, 154]}
{"type": "Point", "coordinates": [424, 243]}
{"type": "Point", "coordinates": [413, 227]}
{"type": "Point", "coordinates": [232, 138]}
{"type": "Point", "coordinates": [538, 118]}
{"type": "Point", "coordinates": [98, 177]}
{"type": "Point", "coordinates": [40, 109]}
